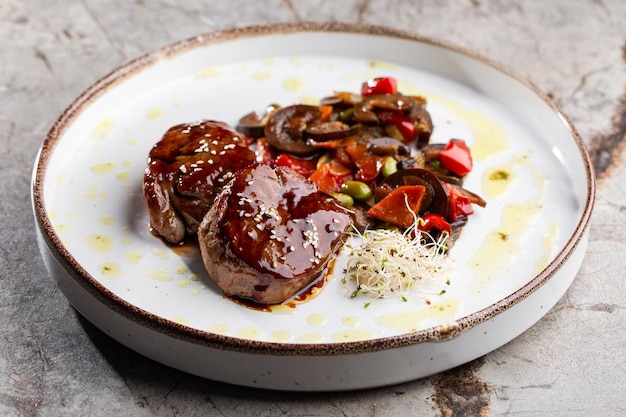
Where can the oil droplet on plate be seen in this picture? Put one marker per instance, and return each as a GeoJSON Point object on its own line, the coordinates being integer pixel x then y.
{"type": "Point", "coordinates": [280, 336]}
{"type": "Point", "coordinates": [316, 320]}
{"type": "Point", "coordinates": [194, 277]}
{"type": "Point", "coordinates": [208, 73]}
{"type": "Point", "coordinates": [182, 269]}
{"type": "Point", "coordinates": [415, 320]}
{"type": "Point", "coordinates": [180, 320]}
{"type": "Point", "coordinates": [99, 243]}
{"type": "Point", "coordinates": [350, 321]}
{"type": "Point", "coordinates": [310, 100]}
{"type": "Point", "coordinates": [159, 275]}
{"type": "Point", "coordinates": [106, 220]}
{"type": "Point", "coordinates": [133, 257]}
{"type": "Point", "coordinates": [123, 176]}
{"type": "Point", "coordinates": [102, 129]}
{"type": "Point", "coordinates": [251, 333]}
{"type": "Point", "coordinates": [261, 76]}
{"type": "Point", "coordinates": [218, 329]}
{"type": "Point", "coordinates": [548, 244]}
{"type": "Point", "coordinates": [62, 228]}
{"type": "Point", "coordinates": [496, 181]}
{"type": "Point", "coordinates": [154, 113]}
{"type": "Point", "coordinates": [183, 283]}
{"type": "Point", "coordinates": [102, 168]}
{"type": "Point", "coordinates": [110, 270]}
{"type": "Point", "coordinates": [490, 138]}
{"type": "Point", "coordinates": [352, 335]}
{"type": "Point", "coordinates": [310, 338]}
{"type": "Point", "coordinates": [494, 256]}
{"type": "Point", "coordinates": [282, 309]}
{"type": "Point", "coordinates": [58, 180]}
{"type": "Point", "coordinates": [161, 253]}
{"type": "Point", "coordinates": [382, 65]}
{"type": "Point", "coordinates": [292, 84]}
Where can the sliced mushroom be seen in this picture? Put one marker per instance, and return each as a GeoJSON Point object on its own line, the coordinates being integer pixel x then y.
{"type": "Point", "coordinates": [364, 111]}
{"type": "Point", "coordinates": [285, 127]}
{"type": "Point", "coordinates": [252, 125]}
{"type": "Point", "coordinates": [423, 124]}
{"type": "Point", "coordinates": [325, 131]}
{"type": "Point", "coordinates": [436, 198]}
{"type": "Point", "coordinates": [386, 146]}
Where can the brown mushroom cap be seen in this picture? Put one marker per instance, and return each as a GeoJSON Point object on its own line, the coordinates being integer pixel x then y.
{"type": "Point", "coordinates": [285, 127]}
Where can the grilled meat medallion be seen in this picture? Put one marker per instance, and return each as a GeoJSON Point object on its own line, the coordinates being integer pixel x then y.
{"type": "Point", "coordinates": [270, 233]}
{"type": "Point", "coordinates": [186, 169]}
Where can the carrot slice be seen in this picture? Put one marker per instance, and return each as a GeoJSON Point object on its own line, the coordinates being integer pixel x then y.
{"type": "Point", "coordinates": [326, 112]}
{"type": "Point", "coordinates": [400, 206]}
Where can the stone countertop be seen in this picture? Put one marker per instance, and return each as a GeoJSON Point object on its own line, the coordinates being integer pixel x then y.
{"type": "Point", "coordinates": [53, 362]}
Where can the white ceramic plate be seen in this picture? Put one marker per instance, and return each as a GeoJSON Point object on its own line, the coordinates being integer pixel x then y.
{"type": "Point", "coordinates": [515, 258]}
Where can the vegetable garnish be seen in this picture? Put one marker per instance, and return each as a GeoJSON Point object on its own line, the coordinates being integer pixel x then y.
{"type": "Point", "coordinates": [372, 153]}
{"type": "Point", "coordinates": [388, 263]}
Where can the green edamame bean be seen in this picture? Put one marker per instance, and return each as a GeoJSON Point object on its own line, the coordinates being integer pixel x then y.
{"type": "Point", "coordinates": [344, 199]}
{"type": "Point", "coordinates": [357, 190]}
{"type": "Point", "coordinates": [389, 167]}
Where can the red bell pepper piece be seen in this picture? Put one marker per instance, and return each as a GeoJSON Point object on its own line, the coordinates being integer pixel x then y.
{"type": "Point", "coordinates": [404, 124]}
{"type": "Point", "coordinates": [456, 157]}
{"type": "Point", "coordinates": [460, 205]}
{"type": "Point", "coordinates": [330, 176]}
{"type": "Point", "coordinates": [400, 206]}
{"type": "Point", "coordinates": [381, 85]}
{"type": "Point", "coordinates": [303, 166]}
{"type": "Point", "coordinates": [432, 221]}
{"type": "Point", "coordinates": [368, 165]}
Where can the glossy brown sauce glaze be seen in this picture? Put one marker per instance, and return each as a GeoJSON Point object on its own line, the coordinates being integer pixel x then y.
{"type": "Point", "coordinates": [270, 234]}
{"type": "Point", "coordinates": [280, 224]}
{"type": "Point", "coordinates": [186, 169]}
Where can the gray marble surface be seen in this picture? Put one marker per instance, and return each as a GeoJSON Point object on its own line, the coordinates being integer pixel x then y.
{"type": "Point", "coordinates": [54, 363]}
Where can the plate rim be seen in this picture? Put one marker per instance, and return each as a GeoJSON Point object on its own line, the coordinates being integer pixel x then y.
{"type": "Point", "coordinates": [212, 340]}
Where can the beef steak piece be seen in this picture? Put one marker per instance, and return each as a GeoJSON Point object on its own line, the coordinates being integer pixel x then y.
{"type": "Point", "coordinates": [186, 169]}
{"type": "Point", "coordinates": [270, 233]}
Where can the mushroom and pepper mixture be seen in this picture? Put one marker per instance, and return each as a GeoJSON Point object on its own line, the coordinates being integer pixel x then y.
{"type": "Point", "coordinates": [371, 152]}
{"type": "Point", "coordinates": [361, 158]}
